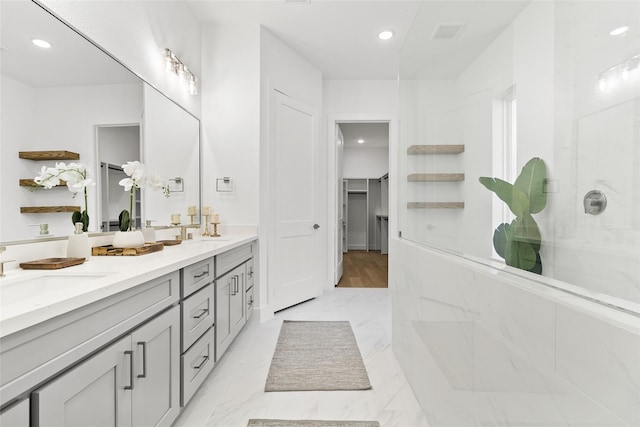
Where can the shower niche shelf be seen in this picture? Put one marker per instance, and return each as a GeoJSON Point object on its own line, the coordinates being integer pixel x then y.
{"type": "Point", "coordinates": [424, 150]}
{"type": "Point", "coordinates": [430, 150]}
{"type": "Point", "coordinates": [32, 183]}
{"type": "Point", "coordinates": [435, 177]}
{"type": "Point", "coordinates": [435, 205]}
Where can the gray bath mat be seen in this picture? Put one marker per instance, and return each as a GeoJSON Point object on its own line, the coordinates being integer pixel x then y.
{"type": "Point", "coordinates": [311, 423]}
{"type": "Point", "coordinates": [317, 356]}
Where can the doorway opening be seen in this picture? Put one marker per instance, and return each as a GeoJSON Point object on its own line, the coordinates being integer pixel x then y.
{"type": "Point", "coordinates": [363, 204]}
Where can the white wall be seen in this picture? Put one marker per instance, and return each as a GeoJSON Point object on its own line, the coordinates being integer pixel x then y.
{"type": "Point", "coordinates": [353, 101]}
{"type": "Point", "coordinates": [66, 120]}
{"type": "Point", "coordinates": [371, 162]}
{"type": "Point", "coordinates": [136, 33]}
{"type": "Point", "coordinates": [231, 120]}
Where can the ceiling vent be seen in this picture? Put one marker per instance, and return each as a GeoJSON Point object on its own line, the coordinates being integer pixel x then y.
{"type": "Point", "coordinates": [447, 31]}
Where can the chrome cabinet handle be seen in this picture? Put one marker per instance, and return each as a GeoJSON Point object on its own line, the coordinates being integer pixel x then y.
{"type": "Point", "coordinates": [144, 359]}
{"type": "Point", "coordinates": [204, 360]}
{"type": "Point", "coordinates": [130, 386]}
{"type": "Point", "coordinates": [201, 313]}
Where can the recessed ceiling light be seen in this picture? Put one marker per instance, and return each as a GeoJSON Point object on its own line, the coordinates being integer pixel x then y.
{"type": "Point", "coordinates": [386, 34]}
{"type": "Point", "coordinates": [41, 43]}
{"type": "Point", "coordinates": [361, 141]}
{"type": "Point", "coordinates": [619, 31]}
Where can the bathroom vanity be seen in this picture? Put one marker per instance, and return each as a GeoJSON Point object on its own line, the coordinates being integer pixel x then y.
{"type": "Point", "coordinates": [121, 341]}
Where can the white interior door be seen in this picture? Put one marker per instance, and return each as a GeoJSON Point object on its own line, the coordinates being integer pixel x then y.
{"type": "Point", "coordinates": [340, 219]}
{"type": "Point", "coordinates": [294, 268]}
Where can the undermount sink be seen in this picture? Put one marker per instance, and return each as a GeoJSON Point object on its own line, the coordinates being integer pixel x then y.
{"type": "Point", "coordinates": [43, 287]}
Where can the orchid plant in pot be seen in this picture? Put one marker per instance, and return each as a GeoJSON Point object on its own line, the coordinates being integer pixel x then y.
{"type": "Point", "coordinates": [137, 178]}
{"type": "Point", "coordinates": [75, 177]}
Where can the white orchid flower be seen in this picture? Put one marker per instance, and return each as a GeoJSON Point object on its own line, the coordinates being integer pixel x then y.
{"type": "Point", "coordinates": [135, 170]}
{"type": "Point", "coordinates": [127, 183]}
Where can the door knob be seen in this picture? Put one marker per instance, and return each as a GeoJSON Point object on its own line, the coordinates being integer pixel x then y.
{"type": "Point", "coordinates": [316, 226]}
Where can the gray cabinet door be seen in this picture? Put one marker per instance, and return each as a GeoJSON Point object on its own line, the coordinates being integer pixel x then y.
{"type": "Point", "coordinates": [237, 310]}
{"type": "Point", "coordinates": [16, 416]}
{"type": "Point", "coordinates": [156, 383]}
{"type": "Point", "coordinates": [224, 287]}
{"type": "Point", "coordinates": [96, 392]}
{"type": "Point", "coordinates": [230, 310]}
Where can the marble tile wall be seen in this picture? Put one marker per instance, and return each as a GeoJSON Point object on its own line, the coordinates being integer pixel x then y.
{"type": "Point", "coordinates": [481, 347]}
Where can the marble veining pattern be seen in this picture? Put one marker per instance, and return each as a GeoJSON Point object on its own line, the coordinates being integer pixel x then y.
{"type": "Point", "coordinates": [234, 392]}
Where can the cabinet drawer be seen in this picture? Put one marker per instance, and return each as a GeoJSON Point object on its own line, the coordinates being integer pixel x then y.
{"type": "Point", "coordinates": [197, 315]}
{"type": "Point", "coordinates": [196, 365]}
{"type": "Point", "coordinates": [249, 302]}
{"type": "Point", "coordinates": [196, 276]}
{"type": "Point", "coordinates": [232, 258]}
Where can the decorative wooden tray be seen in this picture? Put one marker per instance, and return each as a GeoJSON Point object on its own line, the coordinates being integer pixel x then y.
{"type": "Point", "coordinates": [111, 251]}
{"type": "Point", "coordinates": [170, 242]}
{"type": "Point", "coordinates": [51, 263]}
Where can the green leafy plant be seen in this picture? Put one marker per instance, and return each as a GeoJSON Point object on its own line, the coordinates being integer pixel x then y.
{"type": "Point", "coordinates": [519, 242]}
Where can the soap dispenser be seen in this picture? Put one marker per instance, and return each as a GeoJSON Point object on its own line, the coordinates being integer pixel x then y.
{"type": "Point", "coordinates": [78, 245]}
{"type": "Point", "coordinates": [148, 232]}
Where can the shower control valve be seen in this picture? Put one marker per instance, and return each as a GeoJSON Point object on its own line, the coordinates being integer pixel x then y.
{"type": "Point", "coordinates": [595, 202]}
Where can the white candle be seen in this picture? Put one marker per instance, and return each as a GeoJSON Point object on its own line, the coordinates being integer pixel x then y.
{"type": "Point", "coordinates": [215, 218]}
{"type": "Point", "coordinates": [206, 210]}
{"type": "Point", "coordinates": [191, 210]}
{"type": "Point", "coordinates": [175, 218]}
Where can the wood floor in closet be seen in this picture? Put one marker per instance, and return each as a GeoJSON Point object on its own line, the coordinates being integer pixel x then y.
{"type": "Point", "coordinates": [362, 269]}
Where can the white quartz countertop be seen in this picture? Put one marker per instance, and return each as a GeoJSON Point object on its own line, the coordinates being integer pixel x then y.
{"type": "Point", "coordinates": [29, 297]}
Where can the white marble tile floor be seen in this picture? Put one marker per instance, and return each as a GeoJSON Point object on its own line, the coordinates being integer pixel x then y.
{"type": "Point", "coordinates": [234, 392]}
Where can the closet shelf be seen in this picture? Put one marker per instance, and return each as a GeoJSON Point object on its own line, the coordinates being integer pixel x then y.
{"type": "Point", "coordinates": [435, 149]}
{"type": "Point", "coordinates": [31, 183]}
{"type": "Point", "coordinates": [435, 205]}
{"type": "Point", "coordinates": [49, 155]}
{"type": "Point", "coordinates": [435, 177]}
{"type": "Point", "coordinates": [49, 209]}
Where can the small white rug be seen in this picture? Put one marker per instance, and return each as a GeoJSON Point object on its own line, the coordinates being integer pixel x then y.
{"type": "Point", "coordinates": [317, 356]}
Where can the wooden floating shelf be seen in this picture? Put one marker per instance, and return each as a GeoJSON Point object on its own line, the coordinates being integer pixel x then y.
{"type": "Point", "coordinates": [435, 177]}
{"type": "Point", "coordinates": [435, 205]}
{"type": "Point", "coordinates": [49, 209]}
{"type": "Point", "coordinates": [49, 155]}
{"type": "Point", "coordinates": [435, 149]}
{"type": "Point", "coordinates": [32, 183]}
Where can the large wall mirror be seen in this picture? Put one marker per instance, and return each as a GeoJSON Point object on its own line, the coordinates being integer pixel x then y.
{"type": "Point", "coordinates": [75, 97]}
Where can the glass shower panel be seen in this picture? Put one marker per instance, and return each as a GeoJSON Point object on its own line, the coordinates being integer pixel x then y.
{"type": "Point", "coordinates": [577, 88]}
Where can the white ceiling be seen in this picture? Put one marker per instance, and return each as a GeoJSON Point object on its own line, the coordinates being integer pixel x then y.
{"type": "Point", "coordinates": [340, 36]}
{"type": "Point", "coordinates": [22, 21]}
{"type": "Point", "coordinates": [374, 134]}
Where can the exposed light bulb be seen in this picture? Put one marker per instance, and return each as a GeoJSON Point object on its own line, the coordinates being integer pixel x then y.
{"type": "Point", "coordinates": [361, 141]}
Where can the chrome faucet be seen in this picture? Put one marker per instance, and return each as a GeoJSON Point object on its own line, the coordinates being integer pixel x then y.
{"type": "Point", "coordinates": [2, 263]}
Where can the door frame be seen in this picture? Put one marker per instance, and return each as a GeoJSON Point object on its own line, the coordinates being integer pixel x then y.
{"type": "Point", "coordinates": [332, 177]}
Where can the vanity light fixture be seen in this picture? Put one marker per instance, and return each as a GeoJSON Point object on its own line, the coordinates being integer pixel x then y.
{"type": "Point", "coordinates": [41, 43]}
{"type": "Point", "coordinates": [621, 73]}
{"type": "Point", "coordinates": [386, 34]}
{"type": "Point", "coordinates": [174, 65]}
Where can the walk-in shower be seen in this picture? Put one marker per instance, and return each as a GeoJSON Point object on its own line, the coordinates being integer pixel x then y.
{"type": "Point", "coordinates": [523, 309]}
